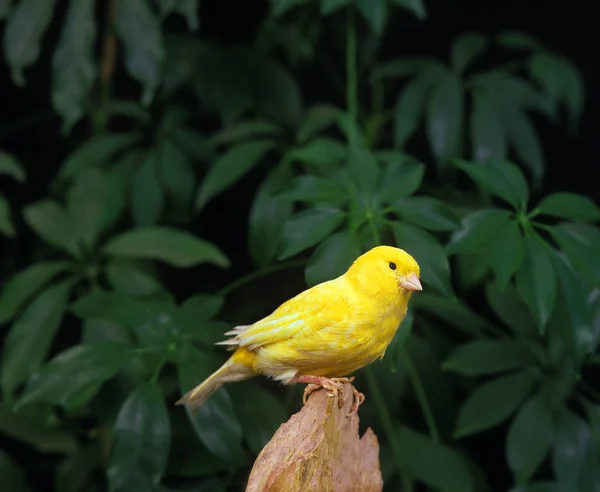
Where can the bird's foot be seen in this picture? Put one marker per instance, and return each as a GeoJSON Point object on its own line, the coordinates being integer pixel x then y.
{"type": "Point", "coordinates": [334, 387]}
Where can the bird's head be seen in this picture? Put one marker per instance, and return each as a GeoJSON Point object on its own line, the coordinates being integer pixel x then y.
{"type": "Point", "coordinates": [386, 271]}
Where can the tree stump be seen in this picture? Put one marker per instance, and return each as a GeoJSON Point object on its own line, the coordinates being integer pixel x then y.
{"type": "Point", "coordinates": [319, 449]}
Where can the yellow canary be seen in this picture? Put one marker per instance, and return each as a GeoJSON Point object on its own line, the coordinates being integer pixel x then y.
{"type": "Point", "coordinates": [324, 333]}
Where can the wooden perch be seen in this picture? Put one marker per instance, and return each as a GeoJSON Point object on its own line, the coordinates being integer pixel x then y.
{"type": "Point", "coordinates": [319, 449]}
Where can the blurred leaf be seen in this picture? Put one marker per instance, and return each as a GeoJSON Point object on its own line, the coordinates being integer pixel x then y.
{"type": "Point", "coordinates": [203, 306]}
{"type": "Point", "coordinates": [176, 173]}
{"type": "Point", "coordinates": [87, 199]}
{"type": "Point", "coordinates": [571, 447]}
{"type": "Point", "coordinates": [12, 476]}
{"type": "Point", "coordinates": [193, 319]}
{"type": "Point", "coordinates": [75, 375]}
{"type": "Point", "coordinates": [411, 103]}
{"type": "Point", "coordinates": [6, 225]}
{"type": "Point", "coordinates": [319, 153]}
{"type": "Point", "coordinates": [130, 280]}
{"type": "Point", "coordinates": [580, 242]}
{"type": "Point", "coordinates": [139, 30]}
{"type": "Point", "coordinates": [435, 270]}
{"type": "Point", "coordinates": [267, 216]}
{"type": "Point", "coordinates": [230, 167]}
{"type": "Point", "coordinates": [569, 206]}
{"type": "Point", "coordinates": [546, 69]}
{"type": "Point", "coordinates": [529, 438]}
{"type": "Point", "coordinates": [280, 7]}
{"type": "Point", "coordinates": [403, 67]}
{"type": "Point", "coordinates": [444, 118]}
{"type": "Point", "coordinates": [31, 336]}
{"type": "Point", "coordinates": [147, 193]}
{"type": "Point", "coordinates": [140, 447]}
{"type": "Point", "coordinates": [477, 230]}
{"type": "Point", "coordinates": [216, 423]}
{"type": "Point", "coordinates": [25, 28]}
{"type": "Point", "coordinates": [488, 135]}
{"type": "Point", "coordinates": [243, 130]}
{"type": "Point", "coordinates": [500, 178]}
{"type": "Point", "coordinates": [363, 169]}
{"type": "Point", "coordinates": [49, 221]}
{"type": "Point", "coordinates": [5, 6]}
{"type": "Point", "coordinates": [510, 308]}
{"type": "Point", "coordinates": [541, 487]}
{"type": "Point", "coordinates": [73, 68]}
{"type": "Point", "coordinates": [23, 285]}
{"type": "Point", "coordinates": [10, 166]}
{"type": "Point", "coordinates": [74, 473]}
{"type": "Point", "coordinates": [332, 257]}
{"type": "Point", "coordinates": [307, 228]}
{"type": "Point", "coordinates": [417, 7]}
{"type": "Point", "coordinates": [189, 10]}
{"type": "Point", "coordinates": [574, 92]}
{"type": "Point", "coordinates": [330, 6]}
{"type": "Point", "coordinates": [486, 356]}
{"type": "Point", "coordinates": [536, 282]}
{"type": "Point", "coordinates": [465, 49]}
{"type": "Point", "coordinates": [401, 177]}
{"type": "Point", "coordinates": [95, 152]}
{"type": "Point", "coordinates": [493, 402]}
{"type": "Point", "coordinates": [278, 94]}
{"type": "Point", "coordinates": [505, 252]}
{"type": "Point", "coordinates": [436, 465]}
{"type": "Point", "coordinates": [260, 413]}
{"type": "Point", "coordinates": [32, 430]}
{"type": "Point", "coordinates": [427, 213]}
{"type": "Point", "coordinates": [375, 14]}
{"type": "Point", "coordinates": [173, 246]}
{"type": "Point", "coordinates": [316, 118]}
{"type": "Point", "coordinates": [518, 40]}
{"type": "Point", "coordinates": [314, 189]}
{"type": "Point", "coordinates": [110, 306]}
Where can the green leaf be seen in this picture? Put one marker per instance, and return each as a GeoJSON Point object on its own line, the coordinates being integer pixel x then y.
{"type": "Point", "coordinates": [574, 92]}
{"type": "Point", "coordinates": [435, 464]}
{"type": "Point", "coordinates": [141, 439]}
{"type": "Point", "coordinates": [411, 103]}
{"type": "Point", "coordinates": [278, 94]}
{"type": "Point", "coordinates": [10, 166]}
{"type": "Point", "coordinates": [75, 472]}
{"type": "Point", "coordinates": [536, 282]}
{"type": "Point", "coordinates": [5, 6]}
{"type": "Point", "coordinates": [435, 269]}
{"type": "Point", "coordinates": [31, 336]}
{"type": "Point", "coordinates": [477, 230]}
{"type": "Point", "coordinates": [444, 118]}
{"type": "Point", "coordinates": [488, 135]}
{"type": "Point", "coordinates": [426, 212]}
{"type": "Point", "coordinates": [243, 130]}
{"type": "Point", "coordinates": [541, 487]}
{"type": "Point", "coordinates": [403, 67]}
{"type": "Point", "coordinates": [307, 228]}
{"type": "Point", "coordinates": [330, 6]}
{"type": "Point", "coordinates": [6, 225]}
{"type": "Point", "coordinates": [12, 476]}
{"type": "Point", "coordinates": [401, 177]}
{"type": "Point", "coordinates": [130, 280]}
{"type": "Point", "coordinates": [260, 413]}
{"type": "Point", "coordinates": [139, 30]}
{"type": "Point", "coordinates": [569, 206]}
{"type": "Point", "coordinates": [500, 178]}
{"type": "Point", "coordinates": [216, 423]}
{"type": "Point", "coordinates": [580, 242]}
{"type": "Point", "coordinates": [505, 252]}
{"type": "Point", "coordinates": [49, 221]}
{"type": "Point", "coordinates": [545, 69]}
{"type": "Point", "coordinates": [96, 152]}
{"type": "Point", "coordinates": [315, 190]}
{"type": "Point", "coordinates": [25, 28]}
{"type": "Point", "coordinates": [75, 375]}
{"type": "Point", "coordinates": [73, 68]}
{"type": "Point", "coordinates": [485, 356]}
{"type": "Point", "coordinates": [147, 193]}
{"type": "Point", "coordinates": [280, 7]}
{"type": "Point", "coordinates": [176, 247]}
{"type": "Point", "coordinates": [571, 448]}
{"type": "Point", "coordinates": [518, 40]}
{"type": "Point", "coordinates": [110, 306]}
{"type": "Point", "coordinates": [321, 153]}
{"type": "Point", "coordinates": [87, 205]}
{"type": "Point", "coordinates": [316, 118]}
{"type": "Point", "coordinates": [493, 402]}
{"type": "Point", "coordinates": [510, 308]}
{"type": "Point", "coordinates": [230, 167]}
{"type": "Point", "coordinates": [189, 10]}
{"type": "Point", "coordinates": [465, 49]}
{"type": "Point", "coordinates": [363, 169]}
{"type": "Point", "coordinates": [375, 14]}
{"type": "Point", "coordinates": [416, 7]}
{"type": "Point", "coordinates": [176, 173]}
{"type": "Point", "coordinates": [529, 438]}
{"type": "Point", "coordinates": [332, 257]}
{"type": "Point", "coordinates": [23, 285]}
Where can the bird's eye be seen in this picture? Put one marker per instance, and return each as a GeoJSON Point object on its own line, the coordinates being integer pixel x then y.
{"type": "Point", "coordinates": [392, 265]}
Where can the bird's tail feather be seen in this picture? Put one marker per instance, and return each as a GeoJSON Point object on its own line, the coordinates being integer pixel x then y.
{"type": "Point", "coordinates": [229, 372]}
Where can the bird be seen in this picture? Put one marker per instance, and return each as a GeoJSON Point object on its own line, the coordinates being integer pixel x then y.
{"type": "Point", "coordinates": [325, 333]}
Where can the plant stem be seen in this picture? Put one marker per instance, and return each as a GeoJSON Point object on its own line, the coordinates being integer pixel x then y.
{"type": "Point", "coordinates": [107, 68]}
{"type": "Point", "coordinates": [159, 366]}
{"type": "Point", "coordinates": [421, 395]}
{"type": "Point", "coordinates": [258, 274]}
{"type": "Point", "coordinates": [351, 72]}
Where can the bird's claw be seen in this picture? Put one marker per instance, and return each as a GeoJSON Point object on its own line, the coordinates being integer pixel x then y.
{"type": "Point", "coordinates": [334, 387]}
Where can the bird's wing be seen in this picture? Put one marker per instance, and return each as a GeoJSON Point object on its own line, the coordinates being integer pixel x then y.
{"type": "Point", "coordinates": [323, 305]}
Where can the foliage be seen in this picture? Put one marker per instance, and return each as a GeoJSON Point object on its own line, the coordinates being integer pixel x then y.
{"type": "Point", "coordinates": [99, 340]}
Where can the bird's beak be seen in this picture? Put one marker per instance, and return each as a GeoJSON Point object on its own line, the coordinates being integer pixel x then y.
{"type": "Point", "coordinates": [411, 283]}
